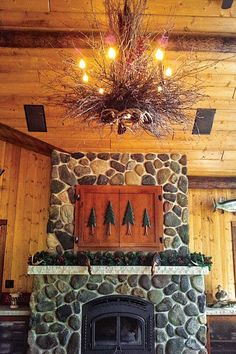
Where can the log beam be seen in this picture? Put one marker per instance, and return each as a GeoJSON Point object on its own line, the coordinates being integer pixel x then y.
{"type": "Point", "coordinates": [68, 39]}
{"type": "Point", "coordinates": [200, 182]}
{"type": "Point", "coordinates": [25, 141]}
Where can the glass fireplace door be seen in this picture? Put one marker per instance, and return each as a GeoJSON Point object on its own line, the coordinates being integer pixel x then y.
{"type": "Point", "coordinates": [118, 324]}
{"type": "Point", "coordinates": [118, 331]}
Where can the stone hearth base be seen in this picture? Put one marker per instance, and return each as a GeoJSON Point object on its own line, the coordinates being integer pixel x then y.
{"type": "Point", "coordinates": [57, 300]}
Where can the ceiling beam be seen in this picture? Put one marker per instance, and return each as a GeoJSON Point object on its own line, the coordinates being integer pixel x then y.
{"type": "Point", "coordinates": [68, 39]}
{"type": "Point", "coordinates": [200, 182]}
{"type": "Point", "coordinates": [25, 141]}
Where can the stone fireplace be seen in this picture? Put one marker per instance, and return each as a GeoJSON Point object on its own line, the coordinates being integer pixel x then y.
{"type": "Point", "coordinates": [63, 296]}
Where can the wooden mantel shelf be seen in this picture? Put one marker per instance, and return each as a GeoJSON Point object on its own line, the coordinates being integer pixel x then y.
{"type": "Point", "coordinates": [161, 270]}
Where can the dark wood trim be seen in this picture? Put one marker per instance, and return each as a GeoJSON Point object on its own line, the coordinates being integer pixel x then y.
{"type": "Point", "coordinates": [25, 141]}
{"type": "Point", "coordinates": [3, 239]}
{"type": "Point", "coordinates": [201, 182]}
{"type": "Point", "coordinates": [70, 39]}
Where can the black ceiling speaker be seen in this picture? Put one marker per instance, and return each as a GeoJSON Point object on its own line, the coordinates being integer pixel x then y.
{"type": "Point", "coordinates": [226, 4]}
{"type": "Point", "coordinates": [203, 121]}
{"type": "Point", "coordinates": [35, 118]}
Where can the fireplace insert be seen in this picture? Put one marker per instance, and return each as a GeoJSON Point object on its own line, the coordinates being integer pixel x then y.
{"type": "Point", "coordinates": [117, 324]}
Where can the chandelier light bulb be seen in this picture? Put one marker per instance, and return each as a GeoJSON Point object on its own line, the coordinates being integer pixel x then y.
{"type": "Point", "coordinates": [85, 77]}
{"type": "Point", "coordinates": [160, 54]}
{"type": "Point", "coordinates": [111, 53]}
{"type": "Point", "coordinates": [159, 89]}
{"type": "Point", "coordinates": [82, 64]}
{"type": "Point", "coordinates": [168, 72]}
{"type": "Point", "coordinates": [101, 91]}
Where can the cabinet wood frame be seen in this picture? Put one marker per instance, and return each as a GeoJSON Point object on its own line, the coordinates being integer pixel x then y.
{"type": "Point", "coordinates": [119, 195]}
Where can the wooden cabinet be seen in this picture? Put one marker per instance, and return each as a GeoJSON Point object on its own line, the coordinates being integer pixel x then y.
{"type": "Point", "coordinates": [120, 234]}
{"type": "Point", "coordinates": [13, 334]}
{"type": "Point", "coordinates": [222, 334]}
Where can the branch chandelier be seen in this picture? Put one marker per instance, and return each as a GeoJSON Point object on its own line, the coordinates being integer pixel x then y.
{"type": "Point", "coordinates": [126, 86]}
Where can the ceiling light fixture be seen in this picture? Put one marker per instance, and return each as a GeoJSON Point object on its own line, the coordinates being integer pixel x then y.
{"type": "Point", "coordinates": [137, 91]}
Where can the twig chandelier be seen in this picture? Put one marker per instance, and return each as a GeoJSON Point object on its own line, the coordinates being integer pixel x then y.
{"type": "Point", "coordinates": [126, 86]}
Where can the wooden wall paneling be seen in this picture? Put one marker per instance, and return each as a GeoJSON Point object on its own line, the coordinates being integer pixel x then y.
{"type": "Point", "coordinates": [195, 213]}
{"type": "Point", "coordinates": [207, 231]}
{"type": "Point", "coordinates": [216, 246]}
{"type": "Point", "coordinates": [24, 199]}
{"type": "Point", "coordinates": [44, 182]}
{"type": "Point", "coordinates": [9, 203]}
{"type": "Point", "coordinates": [231, 194]}
{"type": "Point", "coordinates": [210, 233]}
{"type": "Point", "coordinates": [36, 193]}
{"type": "Point", "coordinates": [2, 158]}
{"type": "Point", "coordinates": [22, 223]}
{"type": "Point", "coordinates": [233, 229]}
{"type": "Point", "coordinates": [220, 245]}
{"type": "Point", "coordinates": [39, 217]}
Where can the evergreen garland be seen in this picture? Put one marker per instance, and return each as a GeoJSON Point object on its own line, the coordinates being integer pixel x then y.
{"type": "Point", "coordinates": [119, 258]}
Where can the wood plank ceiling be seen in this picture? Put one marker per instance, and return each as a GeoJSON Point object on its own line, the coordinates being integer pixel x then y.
{"type": "Point", "coordinates": [27, 55]}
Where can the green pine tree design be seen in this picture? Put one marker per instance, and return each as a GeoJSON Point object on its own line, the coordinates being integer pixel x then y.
{"type": "Point", "coordinates": [128, 218]}
{"type": "Point", "coordinates": [92, 221]}
{"type": "Point", "coordinates": [109, 218]}
{"type": "Point", "coordinates": [146, 222]}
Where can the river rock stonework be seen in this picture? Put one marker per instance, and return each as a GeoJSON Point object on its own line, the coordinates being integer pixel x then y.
{"type": "Point", "coordinates": [57, 302]}
{"type": "Point", "coordinates": [166, 170]}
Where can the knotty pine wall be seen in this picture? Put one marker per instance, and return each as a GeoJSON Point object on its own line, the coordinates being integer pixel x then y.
{"type": "Point", "coordinates": [24, 199]}
{"type": "Point", "coordinates": [210, 233]}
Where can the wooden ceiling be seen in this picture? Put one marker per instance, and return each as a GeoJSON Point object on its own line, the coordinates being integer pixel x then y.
{"type": "Point", "coordinates": [33, 34]}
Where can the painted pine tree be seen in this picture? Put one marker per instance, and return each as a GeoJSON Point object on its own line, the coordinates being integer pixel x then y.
{"type": "Point", "coordinates": [146, 222]}
{"type": "Point", "coordinates": [109, 218]}
{"type": "Point", "coordinates": [128, 218]}
{"type": "Point", "coordinates": [92, 221]}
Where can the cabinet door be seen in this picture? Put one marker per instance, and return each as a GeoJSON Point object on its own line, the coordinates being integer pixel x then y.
{"type": "Point", "coordinates": [13, 334]}
{"type": "Point", "coordinates": [140, 227]}
{"type": "Point", "coordinates": [102, 234]}
{"type": "Point", "coordinates": [222, 334]}
{"type": "Point", "coordinates": [146, 230]}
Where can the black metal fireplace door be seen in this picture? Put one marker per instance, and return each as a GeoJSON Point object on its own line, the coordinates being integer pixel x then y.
{"type": "Point", "coordinates": [117, 324]}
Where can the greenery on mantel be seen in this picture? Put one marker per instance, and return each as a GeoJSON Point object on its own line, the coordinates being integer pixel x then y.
{"type": "Point", "coordinates": [119, 258]}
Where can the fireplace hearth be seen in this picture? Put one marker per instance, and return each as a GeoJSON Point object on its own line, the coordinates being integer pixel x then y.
{"type": "Point", "coordinates": [117, 324]}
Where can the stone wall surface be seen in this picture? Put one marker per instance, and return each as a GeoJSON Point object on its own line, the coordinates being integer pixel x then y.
{"type": "Point", "coordinates": [57, 300]}
{"type": "Point", "coordinates": [166, 170]}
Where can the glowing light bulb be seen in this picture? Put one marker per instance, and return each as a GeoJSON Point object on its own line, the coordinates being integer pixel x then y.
{"type": "Point", "coordinates": [168, 72]}
{"type": "Point", "coordinates": [82, 64]}
{"type": "Point", "coordinates": [101, 91]}
{"type": "Point", "coordinates": [159, 89]}
{"type": "Point", "coordinates": [85, 77]}
{"type": "Point", "coordinates": [111, 53]}
{"type": "Point", "coordinates": [160, 54]}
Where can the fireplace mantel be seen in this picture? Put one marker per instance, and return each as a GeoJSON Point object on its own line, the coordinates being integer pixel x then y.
{"type": "Point", "coordinates": [159, 270]}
